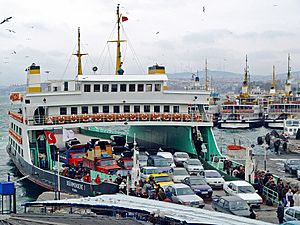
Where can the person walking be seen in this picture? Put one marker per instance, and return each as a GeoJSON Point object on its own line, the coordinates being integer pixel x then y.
{"type": "Point", "coordinates": [289, 198]}
{"type": "Point", "coordinates": [296, 198]}
{"type": "Point", "coordinates": [280, 213]}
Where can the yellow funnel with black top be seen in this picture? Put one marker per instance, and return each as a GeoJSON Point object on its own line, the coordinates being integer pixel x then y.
{"type": "Point", "coordinates": [156, 69]}
{"type": "Point", "coordinates": [33, 79]}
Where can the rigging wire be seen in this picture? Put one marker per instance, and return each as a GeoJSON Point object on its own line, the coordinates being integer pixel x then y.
{"type": "Point", "coordinates": [64, 73]}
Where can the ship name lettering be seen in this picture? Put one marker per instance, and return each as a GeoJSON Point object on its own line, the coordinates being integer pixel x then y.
{"type": "Point", "coordinates": [74, 185]}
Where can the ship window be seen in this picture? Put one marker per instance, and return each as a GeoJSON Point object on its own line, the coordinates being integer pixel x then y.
{"type": "Point", "coordinates": [74, 110]}
{"type": "Point", "coordinates": [63, 110]}
{"type": "Point", "coordinates": [166, 108]}
{"type": "Point", "coordinates": [137, 109]}
{"type": "Point", "coordinates": [116, 109]}
{"type": "Point", "coordinates": [157, 87]}
{"type": "Point", "coordinates": [157, 108]}
{"type": "Point", "coordinates": [96, 87]}
{"type": "Point", "coordinates": [140, 87]}
{"type": "Point", "coordinates": [126, 108]}
{"type": "Point", "coordinates": [84, 109]}
{"type": "Point", "coordinates": [87, 88]}
{"type": "Point", "coordinates": [114, 88]}
{"type": "Point", "coordinates": [146, 108]}
{"type": "Point", "coordinates": [123, 87]}
{"type": "Point", "coordinates": [95, 109]}
{"type": "Point", "coordinates": [131, 87]}
{"type": "Point", "coordinates": [176, 109]}
{"type": "Point", "coordinates": [105, 109]}
{"type": "Point", "coordinates": [66, 86]}
{"type": "Point", "coordinates": [20, 131]}
{"type": "Point", "coordinates": [105, 87]}
{"type": "Point", "coordinates": [148, 87]}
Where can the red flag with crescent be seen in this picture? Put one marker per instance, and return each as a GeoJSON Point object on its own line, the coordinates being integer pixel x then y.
{"type": "Point", "coordinates": [50, 137]}
{"type": "Point", "coordinates": [124, 18]}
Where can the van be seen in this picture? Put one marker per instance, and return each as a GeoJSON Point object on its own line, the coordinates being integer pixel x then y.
{"type": "Point", "coordinates": [160, 162]}
{"type": "Point", "coordinates": [169, 157]}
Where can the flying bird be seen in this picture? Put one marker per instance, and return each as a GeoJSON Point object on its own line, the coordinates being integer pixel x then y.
{"type": "Point", "coordinates": [157, 32]}
{"type": "Point", "coordinates": [203, 9]}
{"type": "Point", "coordinates": [11, 31]}
{"type": "Point", "coordinates": [6, 20]}
{"type": "Point", "coordinates": [14, 52]}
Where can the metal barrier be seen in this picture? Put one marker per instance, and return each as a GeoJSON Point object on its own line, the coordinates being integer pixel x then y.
{"type": "Point", "coordinates": [271, 195]}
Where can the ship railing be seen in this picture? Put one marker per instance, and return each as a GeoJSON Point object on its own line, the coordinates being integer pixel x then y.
{"type": "Point", "coordinates": [270, 195]}
{"type": "Point", "coordinates": [117, 117]}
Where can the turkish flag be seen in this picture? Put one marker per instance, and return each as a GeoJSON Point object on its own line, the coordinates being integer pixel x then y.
{"type": "Point", "coordinates": [50, 137]}
{"type": "Point", "coordinates": [124, 18]}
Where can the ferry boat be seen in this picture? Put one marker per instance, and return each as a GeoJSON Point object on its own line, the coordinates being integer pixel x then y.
{"type": "Point", "coordinates": [156, 116]}
{"type": "Point", "coordinates": [281, 107]}
{"type": "Point", "coordinates": [244, 111]}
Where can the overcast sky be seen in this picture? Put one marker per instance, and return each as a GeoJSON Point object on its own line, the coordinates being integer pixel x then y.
{"type": "Point", "coordinates": [174, 33]}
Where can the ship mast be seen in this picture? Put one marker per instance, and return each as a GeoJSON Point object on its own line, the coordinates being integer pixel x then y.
{"type": "Point", "coordinates": [273, 87]}
{"type": "Point", "coordinates": [288, 86]}
{"type": "Point", "coordinates": [79, 54]}
{"type": "Point", "coordinates": [245, 87]}
{"type": "Point", "coordinates": [206, 76]}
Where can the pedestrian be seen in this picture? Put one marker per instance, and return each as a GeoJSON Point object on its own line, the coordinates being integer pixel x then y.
{"type": "Point", "coordinates": [280, 213]}
{"type": "Point", "coordinates": [289, 198]}
{"type": "Point", "coordinates": [296, 198]}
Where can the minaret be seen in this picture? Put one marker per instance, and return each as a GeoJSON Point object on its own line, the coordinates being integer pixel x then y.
{"type": "Point", "coordinates": [245, 87]}
{"type": "Point", "coordinates": [288, 84]}
{"type": "Point", "coordinates": [273, 87]}
{"type": "Point", "coordinates": [206, 77]}
{"type": "Point", "coordinates": [78, 54]}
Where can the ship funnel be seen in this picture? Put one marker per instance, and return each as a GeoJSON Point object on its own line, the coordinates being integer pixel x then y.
{"type": "Point", "coordinates": [156, 69]}
{"type": "Point", "coordinates": [33, 78]}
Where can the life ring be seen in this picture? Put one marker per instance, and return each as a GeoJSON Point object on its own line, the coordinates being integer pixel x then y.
{"type": "Point", "coordinates": [121, 117]}
{"type": "Point", "coordinates": [132, 117]}
{"type": "Point", "coordinates": [155, 116]}
{"type": "Point", "coordinates": [176, 117]}
{"type": "Point", "coordinates": [85, 118]}
{"type": "Point", "coordinates": [109, 117]}
{"type": "Point", "coordinates": [187, 117]}
{"type": "Point", "coordinates": [49, 120]}
{"type": "Point", "coordinates": [166, 117]}
{"type": "Point", "coordinates": [73, 119]}
{"type": "Point", "coordinates": [61, 119]}
{"type": "Point", "coordinates": [144, 117]}
{"type": "Point", "coordinates": [98, 117]}
{"type": "Point", "coordinates": [198, 117]}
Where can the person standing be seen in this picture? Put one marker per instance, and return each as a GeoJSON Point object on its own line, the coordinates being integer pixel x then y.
{"type": "Point", "coordinates": [296, 198]}
{"type": "Point", "coordinates": [280, 213]}
{"type": "Point", "coordinates": [289, 198]}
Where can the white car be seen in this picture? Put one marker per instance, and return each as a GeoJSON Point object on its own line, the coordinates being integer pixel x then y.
{"type": "Point", "coordinates": [179, 174]}
{"type": "Point", "coordinates": [193, 166]}
{"type": "Point", "coordinates": [147, 171]}
{"type": "Point", "coordinates": [180, 157]}
{"type": "Point", "coordinates": [244, 190]}
{"type": "Point", "coordinates": [213, 178]}
{"type": "Point", "coordinates": [169, 157]}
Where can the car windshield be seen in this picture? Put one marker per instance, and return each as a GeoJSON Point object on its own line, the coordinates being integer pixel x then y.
{"type": "Point", "coordinates": [182, 155]}
{"type": "Point", "coordinates": [295, 162]}
{"type": "Point", "coordinates": [161, 163]}
{"type": "Point", "coordinates": [212, 174]}
{"type": "Point", "coordinates": [246, 189]}
{"type": "Point", "coordinates": [197, 182]}
{"type": "Point", "coordinates": [162, 179]}
{"type": "Point", "coordinates": [105, 163]}
{"type": "Point", "coordinates": [128, 163]}
{"type": "Point", "coordinates": [143, 157]}
{"type": "Point", "coordinates": [184, 191]}
{"type": "Point", "coordinates": [238, 205]}
{"type": "Point", "coordinates": [149, 171]}
{"type": "Point", "coordinates": [194, 162]}
{"type": "Point", "coordinates": [180, 172]}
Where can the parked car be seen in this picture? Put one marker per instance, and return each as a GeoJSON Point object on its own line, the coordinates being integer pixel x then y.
{"type": "Point", "coordinates": [147, 171]}
{"type": "Point", "coordinates": [193, 166]}
{"type": "Point", "coordinates": [180, 157]}
{"type": "Point", "coordinates": [143, 157]}
{"type": "Point", "coordinates": [169, 157]}
{"type": "Point", "coordinates": [243, 190]}
{"type": "Point", "coordinates": [71, 142]}
{"type": "Point", "coordinates": [292, 165]}
{"type": "Point", "coordinates": [199, 186]}
{"type": "Point", "coordinates": [163, 179]}
{"type": "Point", "coordinates": [213, 178]}
{"type": "Point", "coordinates": [160, 162]}
{"type": "Point", "coordinates": [294, 222]}
{"type": "Point", "coordinates": [184, 195]}
{"type": "Point", "coordinates": [231, 205]}
{"type": "Point", "coordinates": [178, 174]}
{"type": "Point", "coordinates": [292, 213]}
{"type": "Point", "coordinates": [117, 140]}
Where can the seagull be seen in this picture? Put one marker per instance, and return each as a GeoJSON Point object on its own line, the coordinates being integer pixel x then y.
{"type": "Point", "coordinates": [157, 32]}
{"type": "Point", "coordinates": [11, 31]}
{"type": "Point", "coordinates": [6, 20]}
{"type": "Point", "coordinates": [275, 5]}
{"type": "Point", "coordinates": [203, 9]}
{"type": "Point", "coordinates": [14, 52]}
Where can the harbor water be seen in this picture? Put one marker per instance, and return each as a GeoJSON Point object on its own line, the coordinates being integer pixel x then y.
{"type": "Point", "coordinates": [27, 191]}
